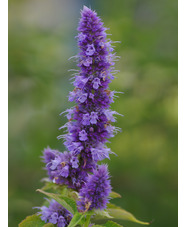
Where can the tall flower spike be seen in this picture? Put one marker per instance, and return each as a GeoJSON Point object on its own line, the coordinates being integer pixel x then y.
{"type": "Point", "coordinates": [89, 126]}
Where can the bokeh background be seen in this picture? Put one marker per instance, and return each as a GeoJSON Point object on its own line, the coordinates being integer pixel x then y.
{"type": "Point", "coordinates": [41, 39]}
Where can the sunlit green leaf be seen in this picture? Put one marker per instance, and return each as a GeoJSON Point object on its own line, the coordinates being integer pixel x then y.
{"type": "Point", "coordinates": [114, 195]}
{"type": "Point", "coordinates": [66, 202]}
{"type": "Point", "coordinates": [32, 221]}
{"type": "Point", "coordinates": [119, 213]}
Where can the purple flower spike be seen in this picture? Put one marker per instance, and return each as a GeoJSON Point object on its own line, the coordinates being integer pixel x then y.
{"type": "Point", "coordinates": [89, 122]}
{"type": "Point", "coordinates": [96, 191]}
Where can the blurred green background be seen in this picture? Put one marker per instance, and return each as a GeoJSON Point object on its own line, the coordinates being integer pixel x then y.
{"type": "Point", "coordinates": [41, 39]}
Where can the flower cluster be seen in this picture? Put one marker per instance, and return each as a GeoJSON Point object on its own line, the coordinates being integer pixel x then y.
{"type": "Point", "coordinates": [63, 168]}
{"type": "Point", "coordinates": [55, 214]}
{"type": "Point", "coordinates": [89, 121]}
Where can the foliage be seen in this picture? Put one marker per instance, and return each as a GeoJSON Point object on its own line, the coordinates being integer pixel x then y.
{"type": "Point", "coordinates": [80, 218]}
{"type": "Point", "coordinates": [31, 221]}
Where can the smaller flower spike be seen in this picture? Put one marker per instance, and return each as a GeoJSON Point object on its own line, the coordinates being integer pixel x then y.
{"type": "Point", "coordinates": [55, 214]}
{"type": "Point", "coordinates": [63, 168]}
{"type": "Point", "coordinates": [94, 194]}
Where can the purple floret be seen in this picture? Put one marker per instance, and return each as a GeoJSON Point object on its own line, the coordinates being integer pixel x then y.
{"type": "Point", "coordinates": [83, 135]}
{"type": "Point", "coordinates": [55, 214]}
{"type": "Point", "coordinates": [94, 194]}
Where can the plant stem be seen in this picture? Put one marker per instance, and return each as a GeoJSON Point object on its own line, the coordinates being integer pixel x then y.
{"type": "Point", "coordinates": [87, 221]}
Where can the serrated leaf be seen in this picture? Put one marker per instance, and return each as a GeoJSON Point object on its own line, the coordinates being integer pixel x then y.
{"type": "Point", "coordinates": [114, 195]}
{"type": "Point", "coordinates": [76, 219]}
{"type": "Point", "coordinates": [66, 202]}
{"type": "Point", "coordinates": [32, 221]}
{"type": "Point", "coordinates": [112, 224]}
{"type": "Point", "coordinates": [119, 213]}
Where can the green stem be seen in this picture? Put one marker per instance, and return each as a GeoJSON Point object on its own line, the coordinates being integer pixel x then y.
{"type": "Point", "coordinates": [87, 221]}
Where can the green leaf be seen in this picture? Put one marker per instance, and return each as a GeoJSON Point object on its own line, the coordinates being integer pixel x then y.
{"type": "Point", "coordinates": [114, 195]}
{"type": "Point", "coordinates": [32, 221]}
{"type": "Point", "coordinates": [71, 203]}
{"type": "Point", "coordinates": [66, 202]}
{"type": "Point", "coordinates": [90, 212]}
{"type": "Point", "coordinates": [112, 224]}
{"type": "Point", "coordinates": [61, 189]}
{"type": "Point", "coordinates": [49, 225]}
{"type": "Point", "coordinates": [76, 219]}
{"type": "Point", "coordinates": [51, 186]}
{"type": "Point", "coordinates": [119, 213]}
{"type": "Point", "coordinates": [102, 214]}
{"type": "Point", "coordinates": [97, 225]}
{"type": "Point", "coordinates": [108, 224]}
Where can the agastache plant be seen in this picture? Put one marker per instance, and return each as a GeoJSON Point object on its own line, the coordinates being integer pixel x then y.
{"type": "Point", "coordinates": [78, 185]}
